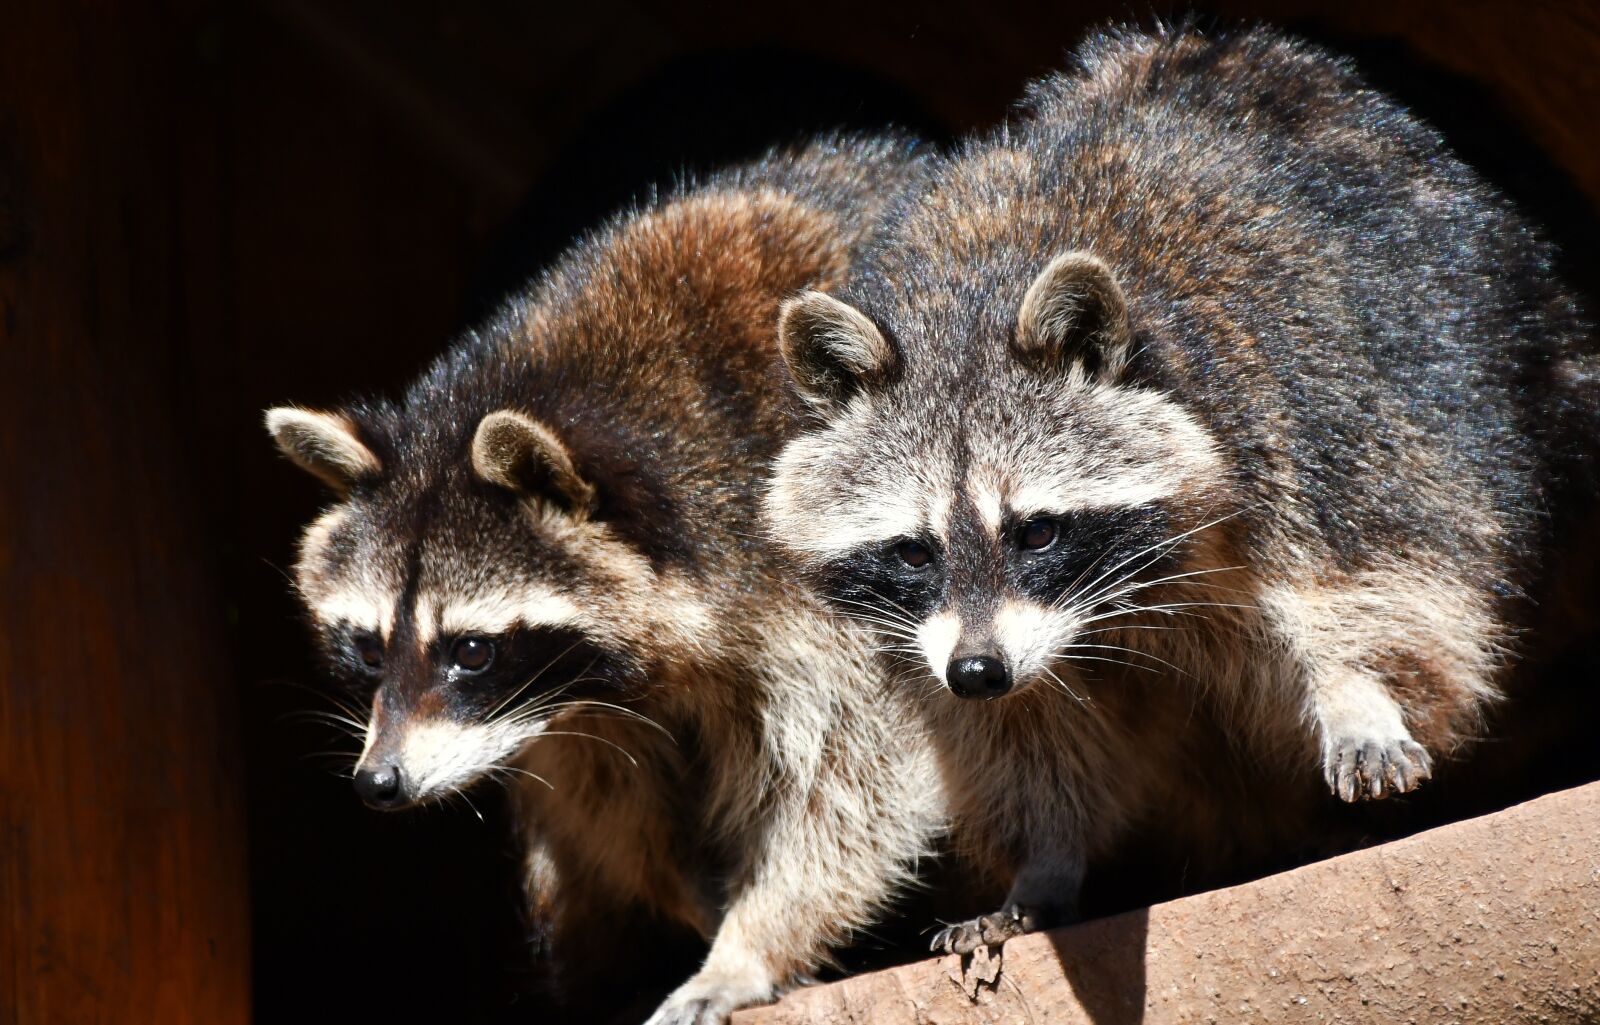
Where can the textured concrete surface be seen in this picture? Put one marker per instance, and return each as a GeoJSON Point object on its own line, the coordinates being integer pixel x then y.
{"type": "Point", "coordinates": [1492, 920]}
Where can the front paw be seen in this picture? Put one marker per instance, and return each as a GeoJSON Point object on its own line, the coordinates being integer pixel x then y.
{"type": "Point", "coordinates": [1360, 768]}
{"type": "Point", "coordinates": [985, 930]}
{"type": "Point", "coordinates": [710, 998]}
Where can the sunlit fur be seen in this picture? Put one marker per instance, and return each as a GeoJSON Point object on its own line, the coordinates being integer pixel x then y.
{"type": "Point", "coordinates": [1302, 509]}
{"type": "Point", "coordinates": [719, 754]}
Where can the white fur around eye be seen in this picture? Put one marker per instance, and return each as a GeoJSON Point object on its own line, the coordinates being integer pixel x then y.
{"type": "Point", "coordinates": [491, 612]}
{"type": "Point", "coordinates": [356, 609]}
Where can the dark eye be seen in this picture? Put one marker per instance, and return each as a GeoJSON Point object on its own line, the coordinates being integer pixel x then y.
{"type": "Point", "coordinates": [913, 554]}
{"type": "Point", "coordinates": [370, 650]}
{"type": "Point", "coordinates": [1037, 533]}
{"type": "Point", "coordinates": [472, 654]}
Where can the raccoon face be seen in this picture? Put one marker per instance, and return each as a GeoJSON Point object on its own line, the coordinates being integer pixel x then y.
{"type": "Point", "coordinates": [471, 599]}
{"type": "Point", "coordinates": [994, 506]}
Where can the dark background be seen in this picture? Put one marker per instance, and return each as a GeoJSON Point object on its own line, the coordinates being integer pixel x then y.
{"type": "Point", "coordinates": [206, 209]}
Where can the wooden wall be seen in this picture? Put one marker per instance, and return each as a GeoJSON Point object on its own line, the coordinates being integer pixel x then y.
{"type": "Point", "coordinates": [206, 208]}
{"type": "Point", "coordinates": [123, 890]}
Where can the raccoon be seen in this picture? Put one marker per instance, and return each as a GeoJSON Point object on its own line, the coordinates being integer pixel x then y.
{"type": "Point", "coordinates": [1212, 382]}
{"type": "Point", "coordinates": [545, 564]}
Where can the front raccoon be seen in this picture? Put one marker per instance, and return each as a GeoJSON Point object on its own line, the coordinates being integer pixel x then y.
{"type": "Point", "coordinates": [1216, 367]}
{"type": "Point", "coordinates": [545, 564]}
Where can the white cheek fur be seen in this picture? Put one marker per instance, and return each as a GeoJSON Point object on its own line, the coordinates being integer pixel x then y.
{"type": "Point", "coordinates": [436, 755]}
{"type": "Point", "coordinates": [1032, 637]}
{"type": "Point", "coordinates": [938, 636]}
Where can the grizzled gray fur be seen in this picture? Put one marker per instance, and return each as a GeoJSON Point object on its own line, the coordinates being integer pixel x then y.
{"type": "Point", "coordinates": [1210, 405]}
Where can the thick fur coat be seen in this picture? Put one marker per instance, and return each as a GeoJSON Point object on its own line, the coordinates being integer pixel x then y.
{"type": "Point", "coordinates": [1206, 418]}
{"type": "Point", "coordinates": [546, 564]}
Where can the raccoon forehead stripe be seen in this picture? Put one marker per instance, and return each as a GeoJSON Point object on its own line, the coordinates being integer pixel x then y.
{"type": "Point", "coordinates": [494, 612]}
{"type": "Point", "coordinates": [1084, 494]}
{"type": "Point", "coordinates": [363, 610]}
{"type": "Point", "coordinates": [850, 523]}
{"type": "Point", "coordinates": [986, 499]}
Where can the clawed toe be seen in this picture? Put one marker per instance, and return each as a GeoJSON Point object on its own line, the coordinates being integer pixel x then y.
{"type": "Point", "coordinates": [984, 931]}
{"type": "Point", "coordinates": [1363, 769]}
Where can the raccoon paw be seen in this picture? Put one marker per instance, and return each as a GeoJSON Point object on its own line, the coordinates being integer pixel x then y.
{"type": "Point", "coordinates": [1363, 768]}
{"type": "Point", "coordinates": [709, 1000]}
{"type": "Point", "coordinates": [984, 931]}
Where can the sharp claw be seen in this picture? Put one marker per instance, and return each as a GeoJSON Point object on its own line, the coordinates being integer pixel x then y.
{"type": "Point", "coordinates": [1373, 770]}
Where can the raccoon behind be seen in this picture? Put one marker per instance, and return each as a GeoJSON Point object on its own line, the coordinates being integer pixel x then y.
{"type": "Point", "coordinates": [545, 565]}
{"type": "Point", "coordinates": [1206, 418]}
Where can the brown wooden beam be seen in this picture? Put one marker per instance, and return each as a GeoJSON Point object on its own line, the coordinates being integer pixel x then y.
{"type": "Point", "coordinates": [1495, 919]}
{"type": "Point", "coordinates": [122, 882]}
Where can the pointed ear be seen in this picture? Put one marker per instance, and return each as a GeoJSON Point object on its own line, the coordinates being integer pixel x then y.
{"type": "Point", "coordinates": [522, 455]}
{"type": "Point", "coordinates": [325, 444]}
{"type": "Point", "coordinates": [833, 351]}
{"type": "Point", "coordinates": [1075, 313]}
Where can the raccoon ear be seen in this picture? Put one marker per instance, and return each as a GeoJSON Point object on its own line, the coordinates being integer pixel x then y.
{"type": "Point", "coordinates": [833, 351]}
{"type": "Point", "coordinates": [525, 456]}
{"type": "Point", "coordinates": [325, 444]}
{"type": "Point", "coordinates": [1075, 313]}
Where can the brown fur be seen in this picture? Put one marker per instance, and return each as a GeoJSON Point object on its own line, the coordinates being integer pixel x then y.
{"type": "Point", "coordinates": [584, 465]}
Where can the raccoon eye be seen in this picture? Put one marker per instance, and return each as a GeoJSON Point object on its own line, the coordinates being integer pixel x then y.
{"type": "Point", "coordinates": [1037, 533]}
{"type": "Point", "coordinates": [370, 650]}
{"type": "Point", "coordinates": [472, 654]}
{"type": "Point", "coordinates": [913, 554]}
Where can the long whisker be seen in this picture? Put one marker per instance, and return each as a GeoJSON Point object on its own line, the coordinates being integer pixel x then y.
{"type": "Point", "coordinates": [346, 725]}
{"type": "Point", "coordinates": [326, 695]}
{"type": "Point", "coordinates": [1161, 547]}
{"type": "Point", "coordinates": [513, 768]}
{"type": "Point", "coordinates": [545, 704]}
{"type": "Point", "coordinates": [463, 795]}
{"type": "Point", "coordinates": [1127, 586]}
{"type": "Point", "coordinates": [630, 713]}
{"type": "Point", "coordinates": [1131, 651]}
{"type": "Point", "coordinates": [1129, 626]}
{"type": "Point", "coordinates": [1169, 608]}
{"type": "Point", "coordinates": [877, 615]}
{"type": "Point", "coordinates": [591, 736]}
{"type": "Point", "coordinates": [1113, 661]}
{"type": "Point", "coordinates": [1064, 686]}
{"type": "Point", "coordinates": [532, 679]}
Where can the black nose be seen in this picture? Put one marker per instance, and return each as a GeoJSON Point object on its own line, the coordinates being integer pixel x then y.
{"type": "Point", "coordinates": [978, 676]}
{"type": "Point", "coordinates": [380, 787]}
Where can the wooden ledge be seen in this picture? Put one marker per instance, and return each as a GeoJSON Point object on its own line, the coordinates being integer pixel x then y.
{"type": "Point", "coordinates": [1495, 919]}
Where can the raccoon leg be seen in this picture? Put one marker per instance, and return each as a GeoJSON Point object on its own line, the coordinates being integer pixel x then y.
{"type": "Point", "coordinates": [813, 888]}
{"type": "Point", "coordinates": [1379, 656]}
{"type": "Point", "coordinates": [1367, 752]}
{"type": "Point", "coordinates": [1044, 895]}
{"type": "Point", "coordinates": [839, 839]}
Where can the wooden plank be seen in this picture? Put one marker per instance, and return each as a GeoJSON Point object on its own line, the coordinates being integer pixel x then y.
{"type": "Point", "coordinates": [1489, 920]}
{"type": "Point", "coordinates": [122, 883]}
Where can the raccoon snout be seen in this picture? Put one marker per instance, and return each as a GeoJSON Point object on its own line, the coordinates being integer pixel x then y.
{"type": "Point", "coordinates": [978, 676]}
{"type": "Point", "coordinates": [381, 788]}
